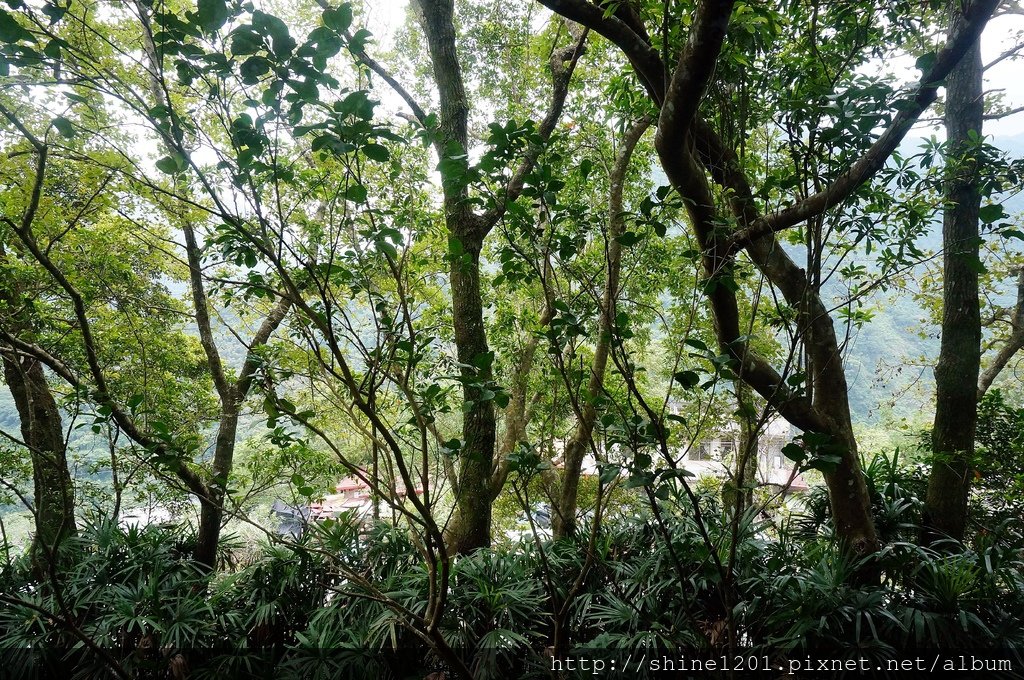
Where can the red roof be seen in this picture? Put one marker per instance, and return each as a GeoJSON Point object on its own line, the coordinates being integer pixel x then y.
{"type": "Point", "coordinates": [351, 484]}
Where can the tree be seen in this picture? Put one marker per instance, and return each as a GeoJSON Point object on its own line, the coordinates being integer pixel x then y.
{"type": "Point", "coordinates": [957, 370]}
{"type": "Point", "coordinates": [42, 434]}
{"type": "Point", "coordinates": [691, 151]}
{"type": "Point", "coordinates": [470, 528]}
{"type": "Point", "coordinates": [107, 389]}
{"type": "Point", "coordinates": [42, 430]}
{"type": "Point", "coordinates": [564, 516]}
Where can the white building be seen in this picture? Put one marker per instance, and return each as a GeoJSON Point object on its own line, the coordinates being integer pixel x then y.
{"type": "Point", "coordinates": [716, 455]}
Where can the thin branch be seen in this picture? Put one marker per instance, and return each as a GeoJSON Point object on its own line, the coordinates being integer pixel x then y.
{"type": "Point", "coordinates": [1008, 54]}
{"type": "Point", "coordinates": [1012, 345]}
{"type": "Point", "coordinates": [563, 63]}
{"type": "Point", "coordinates": [1003, 114]}
{"type": "Point", "coordinates": [644, 59]}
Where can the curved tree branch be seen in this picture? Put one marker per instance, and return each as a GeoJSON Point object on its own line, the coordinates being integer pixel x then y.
{"type": "Point", "coordinates": [645, 59]}
{"type": "Point", "coordinates": [909, 110]}
{"type": "Point", "coordinates": [692, 74]}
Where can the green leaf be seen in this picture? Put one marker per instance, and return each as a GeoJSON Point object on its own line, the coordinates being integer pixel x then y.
{"type": "Point", "coordinates": [64, 127]}
{"type": "Point", "coordinates": [586, 166]}
{"type": "Point", "coordinates": [609, 473]}
{"type": "Point", "coordinates": [688, 379]}
{"type": "Point", "coordinates": [639, 479]}
{"type": "Point", "coordinates": [990, 213]}
{"type": "Point", "coordinates": [282, 44]}
{"type": "Point", "coordinates": [628, 239]}
{"type": "Point", "coordinates": [696, 344]}
{"type": "Point", "coordinates": [376, 152]}
{"type": "Point", "coordinates": [245, 41]}
{"type": "Point", "coordinates": [975, 263]}
{"type": "Point", "coordinates": [794, 452]}
{"type": "Point", "coordinates": [56, 12]}
{"type": "Point", "coordinates": [168, 165]}
{"type": "Point", "coordinates": [10, 30]}
{"type": "Point", "coordinates": [253, 69]}
{"type": "Point", "coordinates": [338, 19]}
{"type": "Point", "coordinates": [356, 193]}
{"type": "Point", "coordinates": [212, 14]}
{"type": "Point", "coordinates": [925, 62]}
{"type": "Point", "coordinates": [358, 42]}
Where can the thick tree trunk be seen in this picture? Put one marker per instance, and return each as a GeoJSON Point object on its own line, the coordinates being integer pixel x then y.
{"type": "Point", "coordinates": [233, 395]}
{"type": "Point", "coordinates": [43, 432]}
{"type": "Point", "coordinates": [470, 527]}
{"type": "Point", "coordinates": [848, 493]}
{"type": "Point", "coordinates": [956, 372]}
{"type": "Point", "coordinates": [829, 413]}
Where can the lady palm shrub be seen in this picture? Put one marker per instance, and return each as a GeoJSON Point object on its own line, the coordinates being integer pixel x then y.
{"type": "Point", "coordinates": [341, 601]}
{"type": "Point", "coordinates": [638, 597]}
{"type": "Point", "coordinates": [127, 592]}
{"type": "Point", "coordinates": [807, 596]}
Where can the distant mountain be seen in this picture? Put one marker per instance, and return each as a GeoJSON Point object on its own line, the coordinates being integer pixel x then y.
{"type": "Point", "coordinates": [878, 354]}
{"type": "Point", "coordinates": [889, 359]}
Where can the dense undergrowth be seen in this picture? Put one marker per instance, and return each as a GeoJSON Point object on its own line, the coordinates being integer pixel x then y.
{"type": "Point", "coordinates": [339, 603]}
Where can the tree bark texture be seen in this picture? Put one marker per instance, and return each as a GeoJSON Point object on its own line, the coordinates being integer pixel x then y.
{"type": "Point", "coordinates": [958, 366]}
{"type": "Point", "coordinates": [42, 432]}
{"type": "Point", "coordinates": [470, 527]}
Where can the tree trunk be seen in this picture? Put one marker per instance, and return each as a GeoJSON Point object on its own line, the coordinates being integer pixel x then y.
{"type": "Point", "coordinates": [43, 432]}
{"type": "Point", "coordinates": [470, 528]}
{"type": "Point", "coordinates": [564, 516]}
{"type": "Point", "coordinates": [738, 493]}
{"type": "Point", "coordinates": [211, 508]}
{"type": "Point", "coordinates": [956, 372]}
{"type": "Point", "coordinates": [848, 493]}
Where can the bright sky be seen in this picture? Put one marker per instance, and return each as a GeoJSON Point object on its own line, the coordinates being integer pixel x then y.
{"type": "Point", "coordinates": [1002, 34]}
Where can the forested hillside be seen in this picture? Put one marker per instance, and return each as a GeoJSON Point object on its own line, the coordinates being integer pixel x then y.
{"type": "Point", "coordinates": [903, 331]}
{"type": "Point", "coordinates": [334, 354]}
